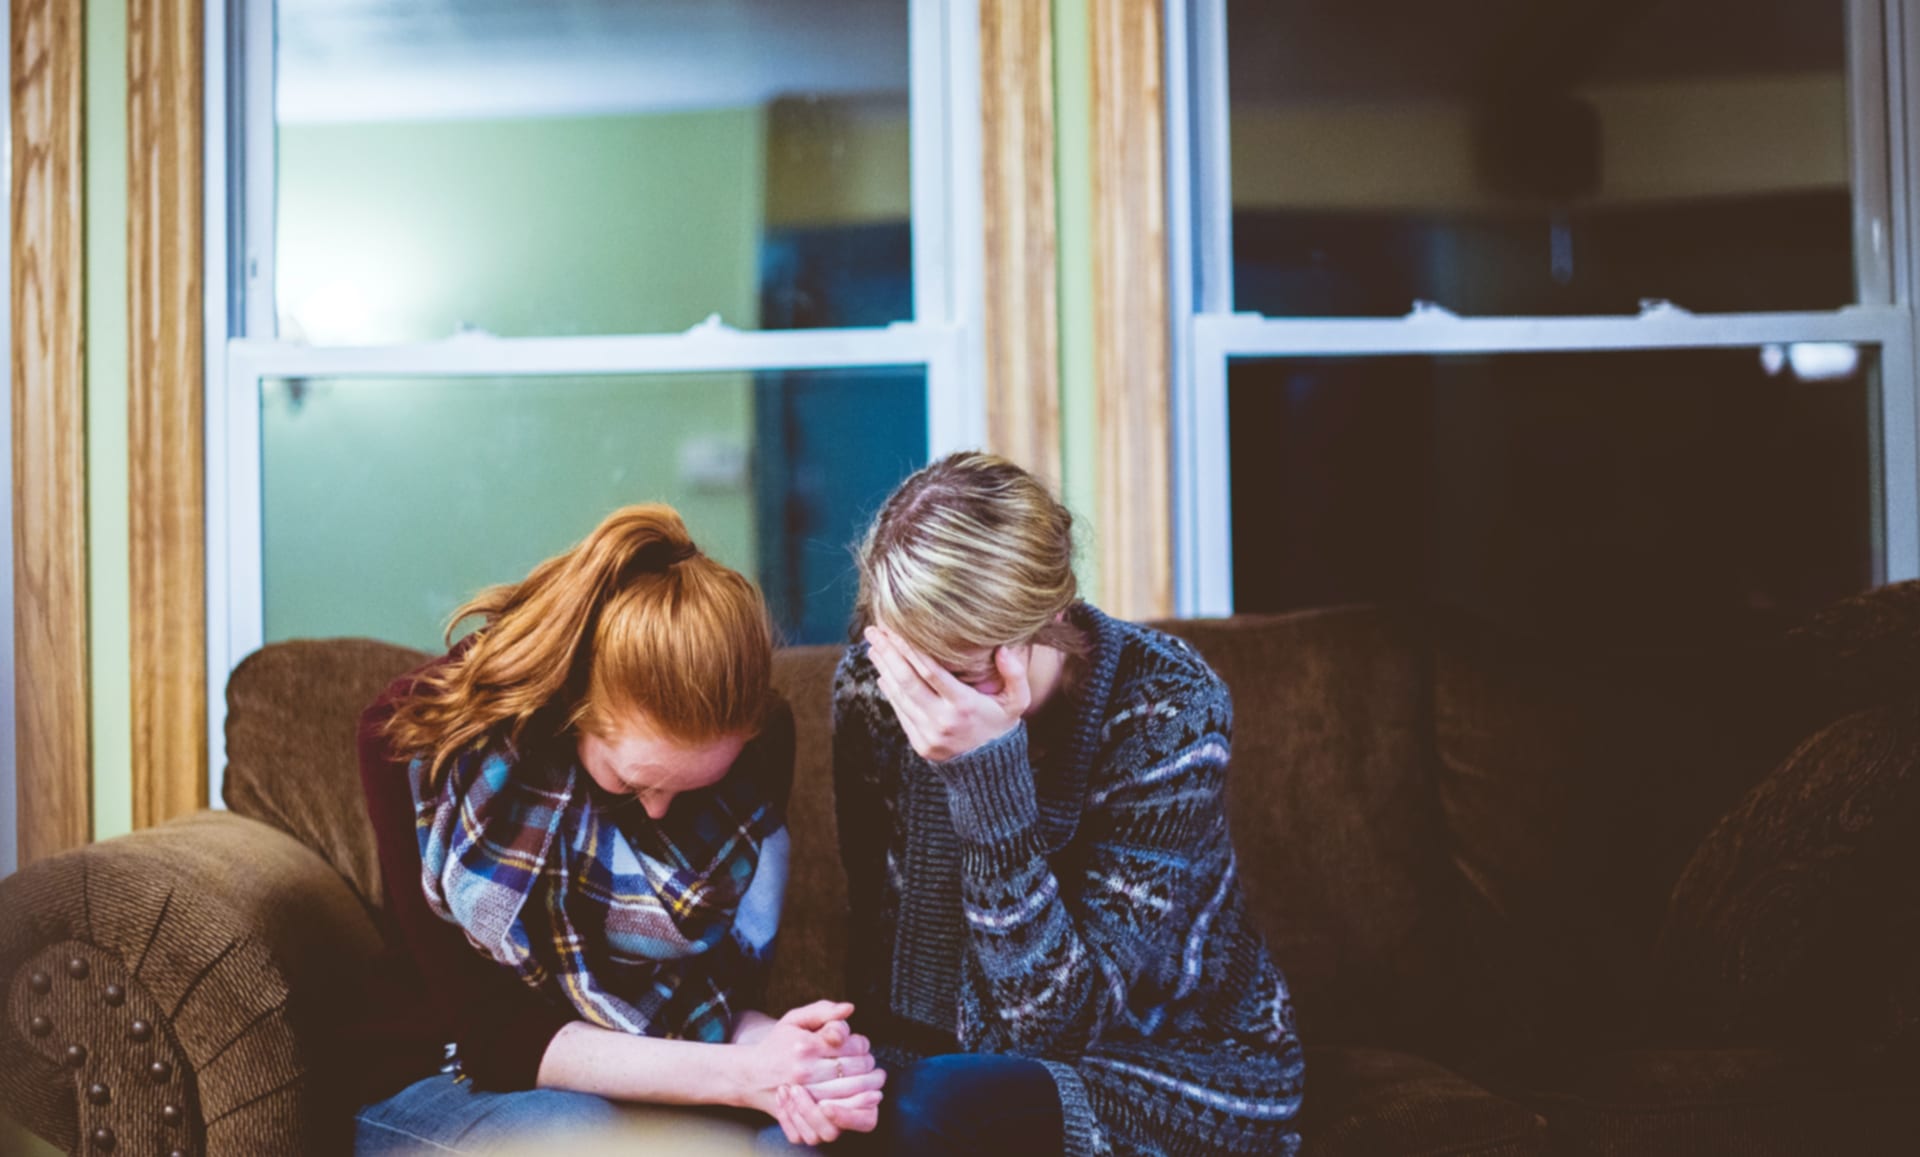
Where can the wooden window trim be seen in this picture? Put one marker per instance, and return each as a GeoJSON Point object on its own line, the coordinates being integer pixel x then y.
{"type": "Point", "coordinates": [1132, 370]}
{"type": "Point", "coordinates": [53, 760]}
{"type": "Point", "coordinates": [165, 408]}
{"type": "Point", "coordinates": [1022, 319]}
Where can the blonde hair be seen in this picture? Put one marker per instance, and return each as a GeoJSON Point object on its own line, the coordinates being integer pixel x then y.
{"type": "Point", "coordinates": [634, 619]}
{"type": "Point", "coordinates": [971, 551]}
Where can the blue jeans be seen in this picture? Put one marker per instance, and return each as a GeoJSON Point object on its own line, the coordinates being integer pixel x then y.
{"type": "Point", "coordinates": [963, 1104]}
{"type": "Point", "coordinates": [943, 1106]}
{"type": "Point", "coordinates": [440, 1115]}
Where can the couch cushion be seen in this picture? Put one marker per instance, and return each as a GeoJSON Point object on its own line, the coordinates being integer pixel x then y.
{"type": "Point", "coordinates": [1798, 919]}
{"type": "Point", "coordinates": [1857, 653]}
{"type": "Point", "coordinates": [1371, 1101]}
{"type": "Point", "coordinates": [810, 961]}
{"type": "Point", "coordinates": [1335, 818]}
{"type": "Point", "coordinates": [1576, 780]}
{"type": "Point", "coordinates": [293, 714]}
{"type": "Point", "coordinates": [1737, 1102]}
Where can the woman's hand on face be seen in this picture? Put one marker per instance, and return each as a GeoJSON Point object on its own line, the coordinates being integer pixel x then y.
{"type": "Point", "coordinates": [812, 1074]}
{"type": "Point", "coordinates": [943, 717]}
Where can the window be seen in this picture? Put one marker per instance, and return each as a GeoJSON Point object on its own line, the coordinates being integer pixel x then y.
{"type": "Point", "coordinates": [493, 269]}
{"type": "Point", "coordinates": [1591, 318]}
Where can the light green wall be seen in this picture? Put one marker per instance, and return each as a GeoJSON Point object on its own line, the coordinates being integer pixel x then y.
{"type": "Point", "coordinates": [1073, 145]}
{"type": "Point", "coordinates": [388, 503]}
{"type": "Point", "coordinates": [627, 224]}
{"type": "Point", "coordinates": [110, 634]}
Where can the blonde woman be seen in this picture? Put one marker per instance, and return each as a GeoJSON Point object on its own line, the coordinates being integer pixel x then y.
{"type": "Point", "coordinates": [580, 818]}
{"type": "Point", "coordinates": [1050, 949]}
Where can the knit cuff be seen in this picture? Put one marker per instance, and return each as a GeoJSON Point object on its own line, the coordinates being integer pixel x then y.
{"type": "Point", "coordinates": [1080, 1129]}
{"type": "Point", "coordinates": [990, 789]}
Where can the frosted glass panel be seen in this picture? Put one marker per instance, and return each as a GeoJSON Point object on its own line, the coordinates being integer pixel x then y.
{"type": "Point", "coordinates": [387, 503]}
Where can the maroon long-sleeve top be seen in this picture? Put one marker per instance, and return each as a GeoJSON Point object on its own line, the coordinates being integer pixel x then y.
{"type": "Point", "coordinates": [433, 988]}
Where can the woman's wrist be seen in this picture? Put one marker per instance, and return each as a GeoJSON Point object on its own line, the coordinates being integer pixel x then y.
{"type": "Point", "coordinates": [750, 1026]}
{"type": "Point", "coordinates": [738, 1090]}
{"type": "Point", "coordinates": [990, 789]}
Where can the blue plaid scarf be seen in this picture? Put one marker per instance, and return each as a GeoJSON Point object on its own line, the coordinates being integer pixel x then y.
{"type": "Point", "coordinates": [641, 926]}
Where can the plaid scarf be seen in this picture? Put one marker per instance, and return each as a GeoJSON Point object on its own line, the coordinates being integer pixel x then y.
{"type": "Point", "coordinates": [629, 920]}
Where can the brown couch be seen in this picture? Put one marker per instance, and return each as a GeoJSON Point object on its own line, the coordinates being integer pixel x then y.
{"type": "Point", "coordinates": [1533, 897]}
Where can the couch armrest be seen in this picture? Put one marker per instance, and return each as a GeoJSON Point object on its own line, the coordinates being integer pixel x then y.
{"type": "Point", "coordinates": [174, 986]}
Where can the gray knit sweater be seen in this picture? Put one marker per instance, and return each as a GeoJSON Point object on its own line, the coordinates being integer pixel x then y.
{"type": "Point", "coordinates": [1085, 912]}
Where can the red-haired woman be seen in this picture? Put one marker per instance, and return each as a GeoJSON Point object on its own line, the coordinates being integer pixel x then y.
{"type": "Point", "coordinates": [580, 817]}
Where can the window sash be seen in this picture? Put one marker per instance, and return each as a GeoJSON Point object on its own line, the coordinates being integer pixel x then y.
{"type": "Point", "coordinates": [1883, 70]}
{"type": "Point", "coordinates": [943, 90]}
{"type": "Point", "coordinates": [1203, 482]}
{"type": "Point", "coordinates": [944, 338]}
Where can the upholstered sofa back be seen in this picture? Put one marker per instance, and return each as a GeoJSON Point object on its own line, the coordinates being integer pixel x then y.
{"type": "Point", "coordinates": [1432, 820]}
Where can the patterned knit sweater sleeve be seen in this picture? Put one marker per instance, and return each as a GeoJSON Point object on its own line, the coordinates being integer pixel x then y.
{"type": "Point", "coordinates": [1050, 969]}
{"type": "Point", "coordinates": [862, 823]}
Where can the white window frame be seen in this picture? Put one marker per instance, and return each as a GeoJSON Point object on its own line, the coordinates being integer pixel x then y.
{"type": "Point", "coordinates": [1207, 335]}
{"type": "Point", "coordinates": [943, 338]}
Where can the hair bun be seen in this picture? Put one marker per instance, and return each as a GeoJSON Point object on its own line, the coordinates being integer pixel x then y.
{"type": "Point", "coordinates": [665, 554]}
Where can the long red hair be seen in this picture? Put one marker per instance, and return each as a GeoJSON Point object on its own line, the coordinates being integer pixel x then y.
{"type": "Point", "coordinates": [634, 619]}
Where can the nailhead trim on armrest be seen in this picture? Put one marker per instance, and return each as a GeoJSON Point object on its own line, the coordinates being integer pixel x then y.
{"type": "Point", "coordinates": [76, 1005]}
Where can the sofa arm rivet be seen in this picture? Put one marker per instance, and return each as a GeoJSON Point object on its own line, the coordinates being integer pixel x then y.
{"type": "Point", "coordinates": [103, 1139]}
{"type": "Point", "coordinates": [77, 968]}
{"type": "Point", "coordinates": [40, 1026]}
{"type": "Point", "coordinates": [171, 1114]}
{"type": "Point", "coordinates": [140, 1030]}
{"type": "Point", "coordinates": [41, 983]}
{"type": "Point", "coordinates": [116, 996]}
{"type": "Point", "coordinates": [76, 1055]}
{"type": "Point", "coordinates": [98, 1094]}
{"type": "Point", "coordinates": [159, 1070]}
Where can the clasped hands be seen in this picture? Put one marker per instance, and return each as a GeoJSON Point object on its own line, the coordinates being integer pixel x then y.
{"type": "Point", "coordinates": [811, 1072]}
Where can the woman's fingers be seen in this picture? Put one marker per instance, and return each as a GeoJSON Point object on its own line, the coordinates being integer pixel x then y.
{"type": "Point", "coordinates": [818, 1015]}
{"type": "Point", "coordinates": [783, 1117]}
{"type": "Point", "coordinates": [909, 711]}
{"type": "Point", "coordinates": [890, 662]}
{"type": "Point", "coordinates": [822, 1069]}
{"type": "Point", "coordinates": [938, 679]}
{"type": "Point", "coordinates": [918, 678]}
{"type": "Point", "coordinates": [853, 1116]}
{"type": "Point", "coordinates": [790, 1101]}
{"type": "Point", "coordinates": [1015, 695]}
{"type": "Point", "coordinates": [815, 1127]}
{"type": "Point", "coordinates": [840, 1088]}
{"type": "Point", "coordinates": [867, 1100]}
{"type": "Point", "coordinates": [855, 1046]}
